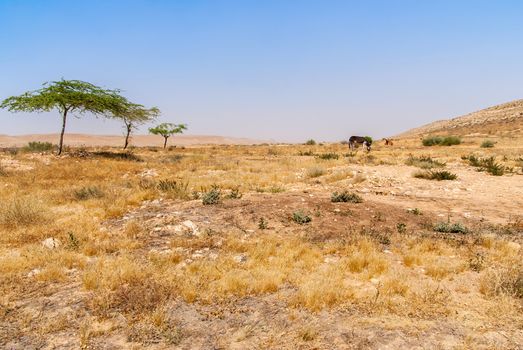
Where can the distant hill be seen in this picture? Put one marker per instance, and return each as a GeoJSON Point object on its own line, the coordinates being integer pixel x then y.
{"type": "Point", "coordinates": [117, 140]}
{"type": "Point", "coordinates": [502, 120]}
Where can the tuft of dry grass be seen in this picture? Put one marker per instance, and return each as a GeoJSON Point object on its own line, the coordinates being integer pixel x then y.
{"type": "Point", "coordinates": [23, 211]}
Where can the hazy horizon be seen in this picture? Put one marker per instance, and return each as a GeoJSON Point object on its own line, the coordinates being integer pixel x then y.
{"type": "Point", "coordinates": [270, 70]}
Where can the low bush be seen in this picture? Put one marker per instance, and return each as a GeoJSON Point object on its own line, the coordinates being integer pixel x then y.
{"type": "Point", "coordinates": [441, 141]}
{"type": "Point", "coordinates": [36, 146]}
{"type": "Point", "coordinates": [118, 156]}
{"type": "Point", "coordinates": [306, 153]}
{"type": "Point", "coordinates": [88, 192]}
{"type": "Point", "coordinates": [488, 165]}
{"type": "Point", "coordinates": [438, 175]}
{"type": "Point", "coordinates": [315, 172]}
{"type": "Point", "coordinates": [175, 189]}
{"type": "Point", "coordinates": [447, 227]}
{"type": "Point", "coordinates": [487, 144]}
{"type": "Point", "coordinates": [328, 156]}
{"type": "Point", "coordinates": [345, 197]}
{"type": "Point", "coordinates": [424, 162]}
{"type": "Point", "coordinates": [212, 197]}
{"type": "Point", "coordinates": [310, 142]}
{"type": "Point", "coordinates": [300, 217]}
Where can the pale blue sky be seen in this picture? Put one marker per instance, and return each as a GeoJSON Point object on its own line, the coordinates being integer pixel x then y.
{"type": "Point", "coordinates": [286, 70]}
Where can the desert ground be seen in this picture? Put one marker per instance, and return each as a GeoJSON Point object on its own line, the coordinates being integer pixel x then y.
{"type": "Point", "coordinates": [263, 247]}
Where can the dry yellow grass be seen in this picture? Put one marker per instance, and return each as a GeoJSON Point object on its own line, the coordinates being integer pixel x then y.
{"type": "Point", "coordinates": [124, 250]}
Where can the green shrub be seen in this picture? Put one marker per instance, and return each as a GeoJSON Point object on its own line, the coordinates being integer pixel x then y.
{"type": "Point", "coordinates": [424, 162]}
{"type": "Point", "coordinates": [368, 139]}
{"type": "Point", "coordinates": [438, 175]}
{"type": "Point", "coordinates": [88, 192]}
{"type": "Point", "coordinates": [36, 146]}
{"type": "Point", "coordinates": [118, 156]}
{"type": "Point", "coordinates": [306, 153]}
{"type": "Point", "coordinates": [310, 142]}
{"type": "Point", "coordinates": [212, 197]}
{"type": "Point", "coordinates": [441, 141]}
{"type": "Point", "coordinates": [487, 144]}
{"type": "Point", "coordinates": [345, 197]}
{"type": "Point", "coordinates": [328, 156]}
{"type": "Point", "coordinates": [447, 227]}
{"type": "Point", "coordinates": [488, 165]}
{"type": "Point", "coordinates": [235, 193]}
{"type": "Point", "coordinates": [300, 217]}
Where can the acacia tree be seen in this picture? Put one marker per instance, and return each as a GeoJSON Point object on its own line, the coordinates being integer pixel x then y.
{"type": "Point", "coordinates": [68, 97]}
{"type": "Point", "coordinates": [134, 115]}
{"type": "Point", "coordinates": [167, 129]}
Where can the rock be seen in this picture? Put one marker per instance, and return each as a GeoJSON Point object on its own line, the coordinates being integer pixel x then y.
{"type": "Point", "coordinates": [33, 272]}
{"type": "Point", "coordinates": [51, 243]}
{"type": "Point", "coordinates": [241, 258]}
{"type": "Point", "coordinates": [374, 281]}
{"type": "Point", "coordinates": [331, 259]}
{"type": "Point", "coordinates": [193, 229]}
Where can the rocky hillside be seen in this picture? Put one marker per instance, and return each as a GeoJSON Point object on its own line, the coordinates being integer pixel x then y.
{"type": "Point", "coordinates": [502, 120]}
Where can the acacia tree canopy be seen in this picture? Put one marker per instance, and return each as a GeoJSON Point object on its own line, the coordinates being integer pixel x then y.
{"type": "Point", "coordinates": [167, 129]}
{"type": "Point", "coordinates": [67, 96]}
{"type": "Point", "coordinates": [133, 115]}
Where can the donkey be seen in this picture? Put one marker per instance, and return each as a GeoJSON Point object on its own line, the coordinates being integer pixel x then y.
{"type": "Point", "coordinates": [354, 140]}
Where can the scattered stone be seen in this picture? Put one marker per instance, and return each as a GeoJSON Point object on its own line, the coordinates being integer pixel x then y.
{"type": "Point", "coordinates": [331, 259]}
{"type": "Point", "coordinates": [51, 243]}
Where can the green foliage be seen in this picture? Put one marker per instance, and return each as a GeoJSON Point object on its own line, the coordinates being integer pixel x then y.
{"type": "Point", "coordinates": [88, 192]}
{"type": "Point", "coordinates": [262, 224]}
{"type": "Point", "coordinates": [300, 217]}
{"type": "Point", "coordinates": [447, 227]}
{"type": "Point", "coordinates": [487, 144]}
{"type": "Point", "coordinates": [401, 227]}
{"type": "Point", "coordinates": [436, 175]}
{"type": "Point", "coordinates": [212, 197]}
{"type": "Point", "coordinates": [68, 97]}
{"type": "Point", "coordinates": [36, 146]}
{"type": "Point", "coordinates": [424, 162]}
{"type": "Point", "coordinates": [118, 156]}
{"type": "Point", "coordinates": [310, 142]}
{"type": "Point", "coordinates": [167, 129]}
{"type": "Point", "coordinates": [415, 211]}
{"type": "Point", "coordinates": [328, 156]}
{"type": "Point", "coordinates": [441, 141]}
{"type": "Point", "coordinates": [346, 197]}
{"type": "Point", "coordinates": [306, 153]}
{"type": "Point", "coordinates": [488, 165]}
{"type": "Point", "coordinates": [368, 139]}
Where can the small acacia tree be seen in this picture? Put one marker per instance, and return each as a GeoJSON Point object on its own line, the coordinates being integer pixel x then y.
{"type": "Point", "coordinates": [67, 96]}
{"type": "Point", "coordinates": [134, 115]}
{"type": "Point", "coordinates": [167, 129]}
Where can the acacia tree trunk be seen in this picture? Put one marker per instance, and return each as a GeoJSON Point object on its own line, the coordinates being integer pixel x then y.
{"type": "Point", "coordinates": [165, 141]}
{"type": "Point", "coordinates": [129, 127]}
{"type": "Point", "coordinates": [64, 118]}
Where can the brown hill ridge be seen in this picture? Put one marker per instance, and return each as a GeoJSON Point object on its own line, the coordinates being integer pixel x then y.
{"type": "Point", "coordinates": [502, 120]}
{"type": "Point", "coordinates": [117, 140]}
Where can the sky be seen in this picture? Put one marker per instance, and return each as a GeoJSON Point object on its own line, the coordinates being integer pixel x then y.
{"type": "Point", "coordinates": [280, 70]}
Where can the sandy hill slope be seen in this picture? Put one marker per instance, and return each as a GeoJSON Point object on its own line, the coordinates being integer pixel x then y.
{"type": "Point", "coordinates": [503, 120]}
{"type": "Point", "coordinates": [117, 140]}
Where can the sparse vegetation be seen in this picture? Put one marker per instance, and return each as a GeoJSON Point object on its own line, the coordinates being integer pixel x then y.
{"type": "Point", "coordinates": [213, 196]}
{"type": "Point", "coordinates": [346, 197]}
{"type": "Point", "coordinates": [315, 172]}
{"type": "Point", "coordinates": [438, 175]}
{"type": "Point", "coordinates": [447, 227]}
{"type": "Point", "coordinates": [424, 162]}
{"type": "Point", "coordinates": [328, 156]}
{"type": "Point", "coordinates": [441, 141]}
{"type": "Point", "coordinates": [487, 144]}
{"type": "Point", "coordinates": [300, 217]}
{"type": "Point", "coordinates": [310, 142]}
{"type": "Point", "coordinates": [88, 192]}
{"type": "Point", "coordinates": [36, 146]}
{"type": "Point", "coordinates": [488, 165]}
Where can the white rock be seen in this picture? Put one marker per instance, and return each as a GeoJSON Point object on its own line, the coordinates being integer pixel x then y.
{"type": "Point", "coordinates": [241, 258]}
{"type": "Point", "coordinates": [51, 243]}
{"type": "Point", "coordinates": [374, 281]}
{"type": "Point", "coordinates": [33, 272]}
